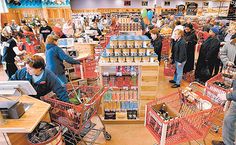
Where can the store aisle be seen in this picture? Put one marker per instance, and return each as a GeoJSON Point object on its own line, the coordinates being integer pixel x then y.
{"type": "Point", "coordinates": [137, 134]}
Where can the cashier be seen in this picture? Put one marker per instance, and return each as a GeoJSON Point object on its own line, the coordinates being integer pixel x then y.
{"type": "Point", "coordinates": [43, 80]}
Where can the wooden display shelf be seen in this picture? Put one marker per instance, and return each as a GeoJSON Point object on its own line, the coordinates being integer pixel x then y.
{"type": "Point", "coordinates": [123, 121]}
{"type": "Point", "coordinates": [147, 74]}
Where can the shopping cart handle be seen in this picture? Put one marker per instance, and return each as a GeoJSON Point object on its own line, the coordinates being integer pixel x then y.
{"type": "Point", "coordinates": [101, 94]}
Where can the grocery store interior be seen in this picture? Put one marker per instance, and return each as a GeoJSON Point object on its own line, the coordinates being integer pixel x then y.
{"type": "Point", "coordinates": [118, 72]}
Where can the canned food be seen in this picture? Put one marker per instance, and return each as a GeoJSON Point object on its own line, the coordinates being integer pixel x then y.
{"type": "Point", "coordinates": [129, 59]}
{"type": "Point", "coordinates": [150, 51]}
{"type": "Point", "coordinates": [110, 52]}
{"type": "Point", "coordinates": [142, 51]}
{"type": "Point", "coordinates": [121, 59]}
{"type": "Point", "coordinates": [137, 59]}
{"type": "Point", "coordinates": [113, 59]}
{"type": "Point", "coordinates": [154, 58]}
{"type": "Point", "coordinates": [126, 51]}
{"type": "Point", "coordinates": [145, 58]}
{"type": "Point", "coordinates": [134, 52]}
{"type": "Point", "coordinates": [117, 52]}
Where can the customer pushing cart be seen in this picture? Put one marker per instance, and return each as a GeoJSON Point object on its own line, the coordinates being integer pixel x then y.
{"type": "Point", "coordinates": [77, 117]}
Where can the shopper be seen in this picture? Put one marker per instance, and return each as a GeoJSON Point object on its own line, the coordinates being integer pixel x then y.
{"type": "Point", "coordinates": [8, 58]}
{"type": "Point", "coordinates": [98, 34]}
{"type": "Point", "coordinates": [228, 53]}
{"type": "Point", "coordinates": [57, 31]}
{"type": "Point", "coordinates": [208, 57]}
{"type": "Point", "coordinates": [179, 56]}
{"type": "Point", "coordinates": [55, 56]}
{"type": "Point", "coordinates": [156, 42]}
{"type": "Point", "coordinates": [43, 80]}
{"type": "Point", "coordinates": [148, 34]}
{"type": "Point", "coordinates": [191, 40]}
{"type": "Point", "coordinates": [228, 57]}
{"type": "Point", "coordinates": [68, 28]}
{"type": "Point", "coordinates": [231, 31]}
{"type": "Point", "coordinates": [44, 30]}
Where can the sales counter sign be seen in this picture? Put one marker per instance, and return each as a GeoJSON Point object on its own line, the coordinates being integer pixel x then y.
{"type": "Point", "coordinates": [232, 9]}
{"type": "Point", "coordinates": [191, 8]}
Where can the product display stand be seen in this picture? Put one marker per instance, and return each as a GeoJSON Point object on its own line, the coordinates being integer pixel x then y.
{"type": "Point", "coordinates": [129, 67]}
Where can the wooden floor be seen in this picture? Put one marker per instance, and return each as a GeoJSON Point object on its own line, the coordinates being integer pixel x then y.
{"type": "Point", "coordinates": [137, 134]}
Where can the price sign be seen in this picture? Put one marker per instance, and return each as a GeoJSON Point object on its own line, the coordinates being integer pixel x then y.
{"type": "Point", "coordinates": [133, 73]}
{"type": "Point", "coordinates": [106, 74]}
{"type": "Point", "coordinates": [125, 88]}
{"type": "Point", "coordinates": [119, 74]}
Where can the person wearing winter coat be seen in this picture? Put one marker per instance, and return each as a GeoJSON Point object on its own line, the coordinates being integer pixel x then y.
{"type": "Point", "coordinates": [55, 57]}
{"type": "Point", "coordinates": [191, 40]}
{"type": "Point", "coordinates": [179, 56]}
{"type": "Point", "coordinates": [156, 42]}
{"type": "Point", "coordinates": [208, 56]}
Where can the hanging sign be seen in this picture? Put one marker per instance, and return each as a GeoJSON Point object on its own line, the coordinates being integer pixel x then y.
{"type": "Point", "coordinates": [232, 9]}
{"type": "Point", "coordinates": [192, 8]}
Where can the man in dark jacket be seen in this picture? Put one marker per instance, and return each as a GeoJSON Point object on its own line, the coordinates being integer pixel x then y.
{"type": "Point", "coordinates": [43, 80]}
{"type": "Point", "coordinates": [179, 57]}
{"type": "Point", "coordinates": [8, 58]}
{"type": "Point", "coordinates": [156, 42]}
{"type": "Point", "coordinates": [191, 40]}
{"type": "Point", "coordinates": [208, 56]}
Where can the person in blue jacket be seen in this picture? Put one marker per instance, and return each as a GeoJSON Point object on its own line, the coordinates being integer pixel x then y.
{"type": "Point", "coordinates": [43, 80]}
{"type": "Point", "coordinates": [55, 56]}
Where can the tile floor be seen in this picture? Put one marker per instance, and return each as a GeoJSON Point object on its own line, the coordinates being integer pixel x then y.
{"type": "Point", "coordinates": [137, 134]}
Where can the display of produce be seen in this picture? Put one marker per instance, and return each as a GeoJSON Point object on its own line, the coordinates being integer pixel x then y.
{"type": "Point", "coordinates": [129, 48]}
{"type": "Point", "coordinates": [166, 31]}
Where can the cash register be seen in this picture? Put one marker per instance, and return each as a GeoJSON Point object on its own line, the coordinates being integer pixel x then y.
{"type": "Point", "coordinates": [10, 92]}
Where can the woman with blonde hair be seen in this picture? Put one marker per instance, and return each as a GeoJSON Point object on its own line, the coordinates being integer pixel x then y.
{"type": "Point", "coordinates": [55, 57]}
{"type": "Point", "coordinates": [179, 56]}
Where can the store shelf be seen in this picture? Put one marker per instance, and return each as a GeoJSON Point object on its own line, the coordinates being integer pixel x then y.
{"type": "Point", "coordinates": [123, 121]}
{"type": "Point", "coordinates": [130, 64]}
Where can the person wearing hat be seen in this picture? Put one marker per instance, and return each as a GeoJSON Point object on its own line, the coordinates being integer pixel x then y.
{"type": "Point", "coordinates": [208, 56]}
{"type": "Point", "coordinates": [156, 42]}
{"type": "Point", "coordinates": [228, 57]}
{"type": "Point", "coordinates": [191, 40]}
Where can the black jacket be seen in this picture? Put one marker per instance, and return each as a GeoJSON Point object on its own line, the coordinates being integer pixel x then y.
{"type": "Point", "coordinates": [209, 50]}
{"type": "Point", "coordinates": [179, 51]}
{"type": "Point", "coordinates": [157, 44]}
{"type": "Point", "coordinates": [8, 52]}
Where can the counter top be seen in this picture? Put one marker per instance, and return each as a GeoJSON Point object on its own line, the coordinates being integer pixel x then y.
{"type": "Point", "coordinates": [30, 118]}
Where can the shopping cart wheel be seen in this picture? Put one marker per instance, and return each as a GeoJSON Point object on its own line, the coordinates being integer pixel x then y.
{"type": "Point", "coordinates": [107, 136]}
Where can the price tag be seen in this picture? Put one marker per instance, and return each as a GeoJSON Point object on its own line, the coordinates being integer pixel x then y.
{"type": "Point", "coordinates": [134, 88]}
{"type": "Point", "coordinates": [125, 88]}
{"type": "Point", "coordinates": [133, 73]}
{"type": "Point", "coordinates": [105, 73]}
{"type": "Point", "coordinates": [119, 74]}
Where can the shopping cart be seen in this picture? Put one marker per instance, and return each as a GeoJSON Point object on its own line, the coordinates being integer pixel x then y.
{"type": "Point", "coordinates": [189, 116]}
{"type": "Point", "coordinates": [77, 119]}
{"type": "Point", "coordinates": [165, 51]}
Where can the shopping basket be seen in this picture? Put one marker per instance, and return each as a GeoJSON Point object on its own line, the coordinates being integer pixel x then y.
{"type": "Point", "coordinates": [190, 117]}
{"type": "Point", "coordinates": [77, 118]}
{"type": "Point", "coordinates": [220, 84]}
{"type": "Point", "coordinates": [169, 69]}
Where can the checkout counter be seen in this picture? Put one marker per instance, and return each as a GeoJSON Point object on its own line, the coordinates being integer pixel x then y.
{"type": "Point", "coordinates": [14, 131]}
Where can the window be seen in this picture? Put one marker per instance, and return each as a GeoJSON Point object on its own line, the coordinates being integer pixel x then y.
{"type": "Point", "coordinates": [144, 3]}
{"type": "Point", "coordinates": [167, 3]}
{"type": "Point", "coordinates": [127, 3]}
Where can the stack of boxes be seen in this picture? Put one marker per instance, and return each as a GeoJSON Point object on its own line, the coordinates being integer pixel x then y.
{"type": "Point", "coordinates": [127, 25]}
{"type": "Point", "coordinates": [129, 48]}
